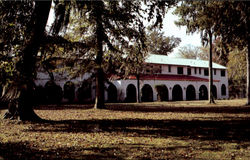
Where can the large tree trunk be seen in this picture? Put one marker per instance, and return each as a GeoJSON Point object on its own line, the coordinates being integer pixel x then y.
{"type": "Point", "coordinates": [23, 105]}
{"type": "Point", "coordinates": [211, 97]}
{"type": "Point", "coordinates": [248, 71]}
{"type": "Point", "coordinates": [99, 99]}
{"type": "Point", "coordinates": [138, 98]}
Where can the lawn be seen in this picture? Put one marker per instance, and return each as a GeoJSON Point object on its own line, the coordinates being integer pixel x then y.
{"type": "Point", "coordinates": [159, 130]}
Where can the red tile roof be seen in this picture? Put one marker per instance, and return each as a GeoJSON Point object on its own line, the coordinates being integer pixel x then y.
{"type": "Point", "coordinates": [165, 77]}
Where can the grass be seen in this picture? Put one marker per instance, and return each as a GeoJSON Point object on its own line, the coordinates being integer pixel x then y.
{"type": "Point", "coordinates": [159, 130]}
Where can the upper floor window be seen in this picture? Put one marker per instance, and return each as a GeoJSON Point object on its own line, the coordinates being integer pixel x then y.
{"type": "Point", "coordinates": [223, 73]}
{"type": "Point", "coordinates": [214, 71]}
{"type": "Point", "coordinates": [195, 70]}
{"type": "Point", "coordinates": [206, 72]}
{"type": "Point", "coordinates": [157, 69]}
{"type": "Point", "coordinates": [189, 71]}
{"type": "Point", "coordinates": [180, 70]}
{"type": "Point", "coordinates": [199, 70]}
{"type": "Point", "coordinates": [169, 68]}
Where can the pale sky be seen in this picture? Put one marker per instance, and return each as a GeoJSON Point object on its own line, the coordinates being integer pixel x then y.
{"type": "Point", "coordinates": [170, 29]}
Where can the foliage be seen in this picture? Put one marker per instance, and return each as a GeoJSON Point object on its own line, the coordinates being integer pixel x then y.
{"type": "Point", "coordinates": [13, 32]}
{"type": "Point", "coordinates": [237, 72]}
{"type": "Point", "coordinates": [191, 52]}
{"type": "Point", "coordinates": [157, 43]}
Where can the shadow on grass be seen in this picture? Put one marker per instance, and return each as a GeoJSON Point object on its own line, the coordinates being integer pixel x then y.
{"type": "Point", "coordinates": [63, 106]}
{"type": "Point", "coordinates": [186, 109]}
{"type": "Point", "coordinates": [152, 108]}
{"type": "Point", "coordinates": [26, 150]}
{"type": "Point", "coordinates": [222, 130]}
{"type": "Point", "coordinates": [207, 131]}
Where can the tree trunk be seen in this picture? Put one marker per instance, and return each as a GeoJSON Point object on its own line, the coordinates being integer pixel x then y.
{"type": "Point", "coordinates": [25, 84]}
{"type": "Point", "coordinates": [211, 97]}
{"type": "Point", "coordinates": [99, 99]}
{"type": "Point", "coordinates": [248, 72]}
{"type": "Point", "coordinates": [138, 98]}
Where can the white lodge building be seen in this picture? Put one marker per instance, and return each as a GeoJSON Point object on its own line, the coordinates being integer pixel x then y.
{"type": "Point", "coordinates": [182, 79]}
{"type": "Point", "coordinates": [179, 79]}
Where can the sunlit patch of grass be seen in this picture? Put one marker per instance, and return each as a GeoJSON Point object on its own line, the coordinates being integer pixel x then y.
{"type": "Point", "coordinates": [159, 130]}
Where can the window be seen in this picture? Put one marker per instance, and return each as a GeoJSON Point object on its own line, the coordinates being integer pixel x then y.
{"type": "Point", "coordinates": [214, 71]}
{"type": "Point", "coordinates": [223, 73]}
{"type": "Point", "coordinates": [199, 70]}
{"type": "Point", "coordinates": [180, 70]}
{"type": "Point", "coordinates": [195, 70]}
{"type": "Point", "coordinates": [189, 71]}
{"type": "Point", "coordinates": [206, 72]}
{"type": "Point", "coordinates": [157, 69]}
{"type": "Point", "coordinates": [169, 68]}
{"type": "Point", "coordinates": [223, 90]}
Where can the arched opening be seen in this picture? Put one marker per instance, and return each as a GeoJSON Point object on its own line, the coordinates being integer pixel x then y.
{"type": "Point", "coordinates": [177, 93]}
{"type": "Point", "coordinates": [54, 92]}
{"type": "Point", "coordinates": [147, 93]}
{"type": "Point", "coordinates": [162, 92]}
{"type": "Point", "coordinates": [40, 95]}
{"type": "Point", "coordinates": [203, 93]}
{"type": "Point", "coordinates": [214, 91]}
{"type": "Point", "coordinates": [223, 90]}
{"type": "Point", "coordinates": [84, 92]}
{"type": "Point", "coordinates": [112, 93]}
{"type": "Point", "coordinates": [131, 93]}
{"type": "Point", "coordinates": [190, 93]}
{"type": "Point", "coordinates": [69, 91]}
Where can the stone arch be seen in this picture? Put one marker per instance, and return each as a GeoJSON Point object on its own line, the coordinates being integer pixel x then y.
{"type": "Point", "coordinates": [162, 92]}
{"type": "Point", "coordinates": [214, 91]}
{"type": "Point", "coordinates": [112, 93]}
{"type": "Point", "coordinates": [190, 93]}
{"type": "Point", "coordinates": [223, 90]}
{"type": "Point", "coordinates": [177, 93]}
{"type": "Point", "coordinates": [147, 93]}
{"type": "Point", "coordinates": [203, 93]}
{"type": "Point", "coordinates": [131, 93]}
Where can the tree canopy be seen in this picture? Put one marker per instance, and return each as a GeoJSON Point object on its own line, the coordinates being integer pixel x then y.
{"type": "Point", "coordinates": [157, 43]}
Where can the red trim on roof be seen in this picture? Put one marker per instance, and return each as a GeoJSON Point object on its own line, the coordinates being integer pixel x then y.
{"type": "Point", "coordinates": [165, 77]}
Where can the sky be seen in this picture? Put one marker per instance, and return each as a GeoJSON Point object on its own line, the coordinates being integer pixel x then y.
{"type": "Point", "coordinates": [170, 29]}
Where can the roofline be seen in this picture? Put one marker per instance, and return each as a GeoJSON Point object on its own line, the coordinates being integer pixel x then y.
{"type": "Point", "coordinates": [186, 65]}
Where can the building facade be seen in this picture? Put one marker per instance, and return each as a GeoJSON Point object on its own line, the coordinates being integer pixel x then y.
{"type": "Point", "coordinates": [180, 79]}
{"type": "Point", "coordinates": [164, 78]}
